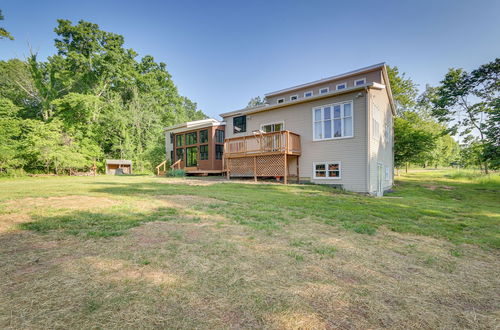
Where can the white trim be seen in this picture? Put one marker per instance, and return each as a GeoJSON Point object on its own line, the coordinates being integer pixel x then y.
{"type": "Point", "coordinates": [282, 99]}
{"type": "Point", "coordinates": [316, 82]}
{"type": "Point", "coordinates": [274, 123]}
{"type": "Point", "coordinates": [339, 163]}
{"type": "Point", "coordinates": [296, 97]}
{"type": "Point", "coordinates": [268, 107]}
{"type": "Point", "coordinates": [342, 117]}
{"type": "Point", "coordinates": [312, 94]}
{"type": "Point", "coordinates": [323, 88]}
{"type": "Point", "coordinates": [337, 86]}
{"type": "Point", "coordinates": [357, 80]}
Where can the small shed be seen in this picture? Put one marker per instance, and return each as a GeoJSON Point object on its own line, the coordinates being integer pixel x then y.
{"type": "Point", "coordinates": [118, 166]}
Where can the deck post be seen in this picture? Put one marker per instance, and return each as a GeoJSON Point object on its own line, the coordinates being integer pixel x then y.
{"type": "Point", "coordinates": [255, 168]}
{"type": "Point", "coordinates": [298, 175]}
{"type": "Point", "coordinates": [285, 178]}
{"type": "Point", "coordinates": [228, 168]}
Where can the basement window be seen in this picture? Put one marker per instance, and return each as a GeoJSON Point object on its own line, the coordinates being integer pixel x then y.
{"type": "Point", "coordinates": [326, 170]}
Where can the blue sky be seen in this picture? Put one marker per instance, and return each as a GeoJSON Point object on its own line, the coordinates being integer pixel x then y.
{"type": "Point", "coordinates": [222, 53]}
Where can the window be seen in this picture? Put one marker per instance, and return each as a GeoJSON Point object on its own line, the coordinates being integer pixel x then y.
{"type": "Point", "coordinates": [326, 170]}
{"type": "Point", "coordinates": [204, 136]}
{"type": "Point", "coordinates": [204, 152]}
{"type": "Point", "coordinates": [172, 138]}
{"type": "Point", "coordinates": [172, 156]}
{"type": "Point", "coordinates": [333, 121]}
{"type": "Point", "coordinates": [179, 154]}
{"type": "Point", "coordinates": [276, 127]}
{"type": "Point", "coordinates": [281, 100]}
{"type": "Point", "coordinates": [191, 156]}
{"type": "Point", "coordinates": [240, 124]}
{"type": "Point", "coordinates": [190, 138]}
{"type": "Point", "coordinates": [324, 90]}
{"type": "Point", "coordinates": [387, 173]}
{"type": "Point", "coordinates": [308, 94]}
{"type": "Point", "coordinates": [360, 82]}
{"type": "Point", "coordinates": [179, 139]}
{"type": "Point", "coordinates": [341, 86]}
{"type": "Point", "coordinates": [219, 150]}
{"type": "Point", "coordinates": [294, 97]}
{"type": "Point", "coordinates": [219, 136]}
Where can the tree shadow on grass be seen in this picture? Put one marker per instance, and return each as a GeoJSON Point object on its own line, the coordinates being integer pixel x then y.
{"type": "Point", "coordinates": [98, 224]}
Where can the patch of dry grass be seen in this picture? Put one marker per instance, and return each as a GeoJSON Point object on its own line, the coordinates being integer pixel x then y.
{"type": "Point", "coordinates": [198, 268]}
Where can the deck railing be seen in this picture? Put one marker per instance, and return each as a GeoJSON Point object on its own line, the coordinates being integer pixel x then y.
{"type": "Point", "coordinates": [283, 142]}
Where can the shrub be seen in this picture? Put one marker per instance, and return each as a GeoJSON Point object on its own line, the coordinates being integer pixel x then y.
{"type": "Point", "coordinates": [176, 173]}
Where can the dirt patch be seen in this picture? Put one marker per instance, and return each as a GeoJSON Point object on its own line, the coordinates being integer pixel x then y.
{"type": "Point", "coordinates": [9, 222]}
{"type": "Point", "coordinates": [117, 270]}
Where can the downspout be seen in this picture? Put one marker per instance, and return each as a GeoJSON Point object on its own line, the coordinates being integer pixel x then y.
{"type": "Point", "coordinates": [368, 135]}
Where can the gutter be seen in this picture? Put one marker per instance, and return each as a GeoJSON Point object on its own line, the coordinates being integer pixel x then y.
{"type": "Point", "coordinates": [321, 81]}
{"type": "Point", "coordinates": [247, 111]}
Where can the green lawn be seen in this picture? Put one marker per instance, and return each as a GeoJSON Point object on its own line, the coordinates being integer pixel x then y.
{"type": "Point", "coordinates": [138, 251]}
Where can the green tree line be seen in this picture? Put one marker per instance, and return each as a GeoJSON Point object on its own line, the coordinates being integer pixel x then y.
{"type": "Point", "coordinates": [464, 105]}
{"type": "Point", "coordinates": [93, 99]}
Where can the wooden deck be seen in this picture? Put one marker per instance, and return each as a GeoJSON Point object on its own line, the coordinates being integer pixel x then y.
{"type": "Point", "coordinates": [274, 154]}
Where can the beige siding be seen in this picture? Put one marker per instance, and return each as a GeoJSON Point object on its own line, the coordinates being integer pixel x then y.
{"type": "Point", "coordinates": [351, 152]}
{"type": "Point", "coordinates": [373, 76]}
{"type": "Point", "coordinates": [381, 146]}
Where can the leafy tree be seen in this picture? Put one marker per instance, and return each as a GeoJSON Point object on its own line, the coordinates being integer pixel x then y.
{"type": "Point", "coordinates": [466, 100]}
{"type": "Point", "coordinates": [404, 90]}
{"type": "Point", "coordinates": [412, 141]}
{"type": "Point", "coordinates": [491, 151]}
{"type": "Point", "coordinates": [9, 133]}
{"type": "Point", "coordinates": [93, 99]}
{"type": "Point", "coordinates": [255, 102]}
{"type": "Point", "coordinates": [4, 33]}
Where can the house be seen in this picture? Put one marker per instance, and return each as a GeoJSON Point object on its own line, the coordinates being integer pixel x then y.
{"type": "Point", "coordinates": [196, 146]}
{"type": "Point", "coordinates": [118, 166]}
{"type": "Point", "coordinates": [337, 131]}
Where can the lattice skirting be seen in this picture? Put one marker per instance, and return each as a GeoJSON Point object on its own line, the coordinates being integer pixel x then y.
{"type": "Point", "coordinates": [268, 165]}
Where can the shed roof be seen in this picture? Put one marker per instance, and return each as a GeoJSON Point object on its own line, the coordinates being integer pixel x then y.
{"type": "Point", "coordinates": [118, 162]}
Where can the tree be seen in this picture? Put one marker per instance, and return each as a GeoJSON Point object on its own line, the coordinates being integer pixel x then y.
{"type": "Point", "coordinates": [466, 100]}
{"type": "Point", "coordinates": [4, 33]}
{"type": "Point", "coordinates": [9, 133]}
{"type": "Point", "coordinates": [411, 141]}
{"type": "Point", "coordinates": [93, 99]}
{"type": "Point", "coordinates": [255, 102]}
{"type": "Point", "coordinates": [404, 90]}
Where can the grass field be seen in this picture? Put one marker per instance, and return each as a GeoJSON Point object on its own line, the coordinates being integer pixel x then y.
{"type": "Point", "coordinates": [138, 251]}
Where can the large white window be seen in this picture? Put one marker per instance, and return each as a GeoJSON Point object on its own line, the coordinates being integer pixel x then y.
{"type": "Point", "coordinates": [333, 121]}
{"type": "Point", "coordinates": [326, 170]}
